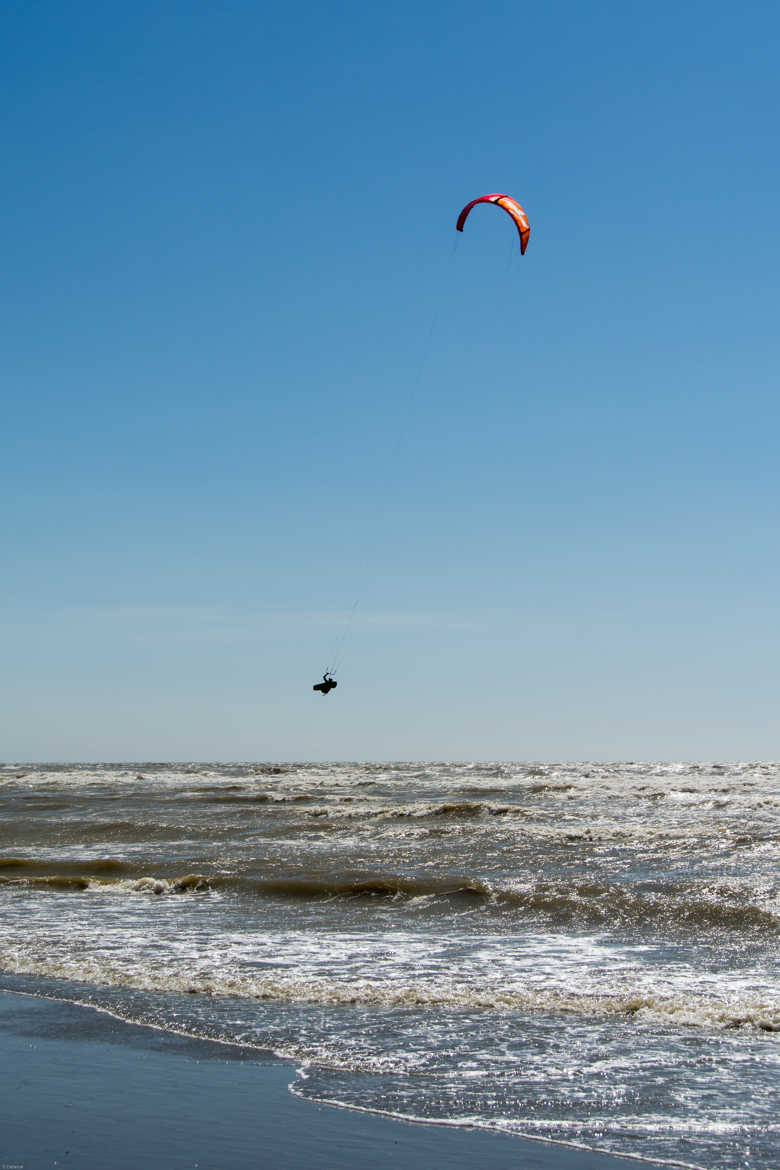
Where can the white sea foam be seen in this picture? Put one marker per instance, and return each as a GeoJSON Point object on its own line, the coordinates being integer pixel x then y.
{"type": "Point", "coordinates": [585, 976]}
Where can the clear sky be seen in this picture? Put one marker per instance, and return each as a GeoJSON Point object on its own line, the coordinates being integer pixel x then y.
{"type": "Point", "coordinates": [263, 407]}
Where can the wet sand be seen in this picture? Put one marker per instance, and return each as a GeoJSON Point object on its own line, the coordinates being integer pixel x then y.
{"type": "Point", "coordinates": [79, 1088]}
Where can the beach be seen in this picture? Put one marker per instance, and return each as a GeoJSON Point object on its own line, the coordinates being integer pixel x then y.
{"type": "Point", "coordinates": [280, 960]}
{"type": "Point", "coordinates": [80, 1088]}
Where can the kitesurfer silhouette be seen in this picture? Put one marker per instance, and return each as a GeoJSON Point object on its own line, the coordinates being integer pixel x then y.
{"type": "Point", "coordinates": [326, 685]}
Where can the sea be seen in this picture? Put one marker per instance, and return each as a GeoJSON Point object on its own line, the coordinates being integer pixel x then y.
{"type": "Point", "coordinates": [577, 953]}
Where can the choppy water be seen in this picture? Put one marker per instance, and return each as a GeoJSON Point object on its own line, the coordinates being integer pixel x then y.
{"type": "Point", "coordinates": [581, 953]}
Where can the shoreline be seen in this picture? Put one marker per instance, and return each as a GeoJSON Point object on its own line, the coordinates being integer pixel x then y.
{"type": "Point", "coordinates": [82, 1088]}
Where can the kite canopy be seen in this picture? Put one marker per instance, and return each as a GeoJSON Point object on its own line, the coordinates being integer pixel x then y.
{"type": "Point", "coordinates": [510, 206]}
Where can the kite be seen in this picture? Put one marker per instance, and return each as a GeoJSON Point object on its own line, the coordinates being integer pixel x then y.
{"type": "Point", "coordinates": [510, 206]}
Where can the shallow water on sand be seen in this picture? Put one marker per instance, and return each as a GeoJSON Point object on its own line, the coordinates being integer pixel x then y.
{"type": "Point", "coordinates": [583, 953]}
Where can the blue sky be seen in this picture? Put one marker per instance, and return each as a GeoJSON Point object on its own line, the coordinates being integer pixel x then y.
{"type": "Point", "coordinates": [263, 406]}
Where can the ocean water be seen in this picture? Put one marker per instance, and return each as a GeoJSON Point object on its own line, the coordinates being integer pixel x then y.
{"type": "Point", "coordinates": [578, 953]}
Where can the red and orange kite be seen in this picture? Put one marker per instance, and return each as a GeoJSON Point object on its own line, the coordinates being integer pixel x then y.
{"type": "Point", "coordinates": [511, 206]}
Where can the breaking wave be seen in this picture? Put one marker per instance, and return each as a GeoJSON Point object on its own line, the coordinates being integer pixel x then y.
{"type": "Point", "coordinates": [631, 1003]}
{"type": "Point", "coordinates": [692, 905]}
